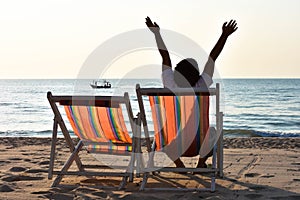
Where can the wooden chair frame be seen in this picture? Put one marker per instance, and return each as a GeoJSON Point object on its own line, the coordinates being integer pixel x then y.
{"type": "Point", "coordinates": [217, 164]}
{"type": "Point", "coordinates": [102, 101]}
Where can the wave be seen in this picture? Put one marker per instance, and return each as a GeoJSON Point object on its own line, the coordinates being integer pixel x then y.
{"type": "Point", "coordinates": [7, 104]}
{"type": "Point", "coordinates": [26, 133]}
{"type": "Point", "coordinates": [240, 133]}
{"type": "Point", "coordinates": [253, 133]}
{"type": "Point", "coordinates": [227, 133]}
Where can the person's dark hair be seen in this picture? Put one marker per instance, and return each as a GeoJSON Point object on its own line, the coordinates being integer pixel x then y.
{"type": "Point", "coordinates": [186, 73]}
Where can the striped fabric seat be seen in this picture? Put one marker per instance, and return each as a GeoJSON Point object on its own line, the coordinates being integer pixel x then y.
{"type": "Point", "coordinates": [182, 128]}
{"type": "Point", "coordinates": [102, 129]}
{"type": "Point", "coordinates": [99, 124]}
{"type": "Point", "coordinates": [177, 121]}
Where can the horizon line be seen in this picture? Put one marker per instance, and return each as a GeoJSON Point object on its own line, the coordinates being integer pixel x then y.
{"type": "Point", "coordinates": [52, 78]}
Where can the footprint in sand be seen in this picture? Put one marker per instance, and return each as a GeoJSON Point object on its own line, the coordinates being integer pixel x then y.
{"type": "Point", "coordinates": [44, 162]}
{"type": "Point", "coordinates": [17, 169]}
{"type": "Point", "coordinates": [41, 192]}
{"type": "Point", "coordinates": [85, 190]}
{"type": "Point", "coordinates": [293, 170]}
{"type": "Point", "coordinates": [14, 158]}
{"type": "Point", "coordinates": [34, 171]}
{"type": "Point", "coordinates": [15, 178]}
{"type": "Point", "coordinates": [295, 163]}
{"type": "Point", "coordinates": [5, 188]}
{"type": "Point", "coordinates": [252, 175]}
{"type": "Point", "coordinates": [292, 156]}
{"type": "Point", "coordinates": [3, 162]}
{"type": "Point", "coordinates": [268, 176]}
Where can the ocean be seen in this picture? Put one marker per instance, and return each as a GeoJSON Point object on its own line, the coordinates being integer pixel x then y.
{"type": "Point", "coordinates": [252, 107]}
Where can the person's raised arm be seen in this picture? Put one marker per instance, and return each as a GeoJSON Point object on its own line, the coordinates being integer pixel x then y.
{"type": "Point", "coordinates": [154, 28]}
{"type": "Point", "coordinates": [227, 29]}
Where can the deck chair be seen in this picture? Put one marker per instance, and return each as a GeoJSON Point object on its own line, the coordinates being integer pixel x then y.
{"type": "Point", "coordinates": [181, 127]}
{"type": "Point", "coordinates": [98, 122]}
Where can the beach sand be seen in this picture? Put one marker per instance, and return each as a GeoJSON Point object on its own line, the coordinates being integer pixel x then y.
{"type": "Point", "coordinates": [254, 168]}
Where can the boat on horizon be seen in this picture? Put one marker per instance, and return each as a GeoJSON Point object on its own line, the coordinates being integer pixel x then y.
{"type": "Point", "coordinates": [98, 84]}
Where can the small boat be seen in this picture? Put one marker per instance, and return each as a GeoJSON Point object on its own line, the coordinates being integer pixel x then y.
{"type": "Point", "coordinates": [98, 84]}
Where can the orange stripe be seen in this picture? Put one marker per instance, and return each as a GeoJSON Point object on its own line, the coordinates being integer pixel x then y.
{"type": "Point", "coordinates": [115, 124]}
{"type": "Point", "coordinates": [171, 122]}
{"type": "Point", "coordinates": [190, 128]}
{"type": "Point", "coordinates": [85, 122]}
{"type": "Point", "coordinates": [163, 120]}
{"type": "Point", "coordinates": [170, 116]}
{"type": "Point", "coordinates": [97, 123]}
{"type": "Point", "coordinates": [105, 123]}
{"type": "Point", "coordinates": [72, 122]}
{"type": "Point", "coordinates": [76, 114]}
{"type": "Point", "coordinates": [155, 123]}
{"type": "Point", "coordinates": [182, 112]}
{"type": "Point", "coordinates": [121, 122]}
{"type": "Point", "coordinates": [121, 127]}
{"type": "Point", "coordinates": [204, 103]}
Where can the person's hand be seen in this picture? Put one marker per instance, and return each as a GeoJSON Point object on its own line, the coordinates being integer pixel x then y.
{"type": "Point", "coordinates": [229, 28]}
{"type": "Point", "coordinates": [154, 28]}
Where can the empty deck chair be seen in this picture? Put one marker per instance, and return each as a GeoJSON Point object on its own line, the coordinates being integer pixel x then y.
{"type": "Point", "coordinates": [181, 128]}
{"type": "Point", "coordinates": [98, 122]}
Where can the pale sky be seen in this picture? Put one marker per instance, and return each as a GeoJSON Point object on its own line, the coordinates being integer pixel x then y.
{"type": "Point", "coordinates": [52, 39]}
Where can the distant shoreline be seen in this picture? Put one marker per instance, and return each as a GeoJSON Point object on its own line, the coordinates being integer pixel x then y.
{"type": "Point", "coordinates": [226, 78]}
{"type": "Point", "coordinates": [229, 143]}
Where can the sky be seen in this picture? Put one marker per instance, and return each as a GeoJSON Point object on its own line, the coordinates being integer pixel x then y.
{"type": "Point", "coordinates": [54, 39]}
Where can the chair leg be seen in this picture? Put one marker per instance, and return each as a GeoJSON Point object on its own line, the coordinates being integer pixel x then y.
{"type": "Point", "coordinates": [150, 164]}
{"type": "Point", "coordinates": [70, 143]}
{"type": "Point", "coordinates": [123, 183]}
{"type": "Point", "coordinates": [220, 146]}
{"type": "Point", "coordinates": [144, 182]}
{"type": "Point", "coordinates": [151, 155]}
{"type": "Point", "coordinates": [214, 160]}
{"type": "Point", "coordinates": [130, 168]}
{"type": "Point", "coordinates": [137, 145]}
{"type": "Point", "coordinates": [68, 163]}
{"type": "Point", "coordinates": [221, 174]}
{"type": "Point", "coordinates": [213, 178]}
{"type": "Point", "coordinates": [140, 164]}
{"type": "Point", "coordinates": [139, 158]}
{"type": "Point", "coordinates": [137, 164]}
{"type": "Point", "coordinates": [213, 184]}
{"type": "Point", "coordinates": [53, 147]}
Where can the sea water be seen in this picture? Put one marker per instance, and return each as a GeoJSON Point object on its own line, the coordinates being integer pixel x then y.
{"type": "Point", "coordinates": [252, 107]}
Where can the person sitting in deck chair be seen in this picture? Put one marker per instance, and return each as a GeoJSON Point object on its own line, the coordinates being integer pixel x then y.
{"type": "Point", "coordinates": [186, 73]}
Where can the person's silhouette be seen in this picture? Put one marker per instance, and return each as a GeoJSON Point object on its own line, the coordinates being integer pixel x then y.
{"type": "Point", "coordinates": [186, 73]}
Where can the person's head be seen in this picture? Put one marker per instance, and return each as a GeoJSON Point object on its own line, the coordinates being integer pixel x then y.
{"type": "Point", "coordinates": [186, 73]}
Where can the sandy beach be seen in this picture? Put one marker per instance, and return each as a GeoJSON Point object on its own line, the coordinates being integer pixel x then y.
{"type": "Point", "coordinates": [254, 168]}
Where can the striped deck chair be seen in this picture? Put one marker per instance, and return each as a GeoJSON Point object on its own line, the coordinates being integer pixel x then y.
{"type": "Point", "coordinates": [99, 124]}
{"type": "Point", "coordinates": [181, 129]}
